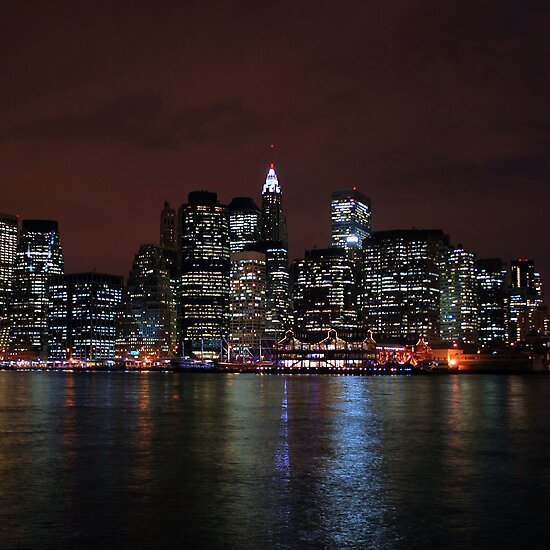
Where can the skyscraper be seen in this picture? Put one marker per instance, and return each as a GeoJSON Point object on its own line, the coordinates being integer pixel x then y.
{"type": "Point", "coordinates": [248, 303]}
{"type": "Point", "coordinates": [169, 235]}
{"type": "Point", "coordinates": [523, 275]}
{"type": "Point", "coordinates": [325, 294]}
{"type": "Point", "coordinates": [274, 226]}
{"type": "Point", "coordinates": [205, 274]}
{"type": "Point", "coordinates": [81, 316]}
{"type": "Point", "coordinates": [459, 320]}
{"type": "Point", "coordinates": [275, 245]}
{"type": "Point", "coordinates": [8, 247]}
{"type": "Point", "coordinates": [39, 256]}
{"type": "Point", "coordinates": [523, 298]}
{"type": "Point", "coordinates": [401, 283]}
{"type": "Point", "coordinates": [147, 322]}
{"type": "Point", "coordinates": [491, 288]}
{"type": "Point", "coordinates": [351, 218]}
{"type": "Point", "coordinates": [168, 227]}
{"type": "Point", "coordinates": [244, 223]}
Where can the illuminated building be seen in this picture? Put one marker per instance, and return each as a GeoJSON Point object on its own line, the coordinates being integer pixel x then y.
{"type": "Point", "coordinates": [82, 316]}
{"type": "Point", "coordinates": [8, 248]}
{"type": "Point", "coordinates": [275, 245]}
{"type": "Point", "coordinates": [325, 294]}
{"type": "Point", "coordinates": [248, 303]}
{"type": "Point", "coordinates": [459, 297]}
{"type": "Point", "coordinates": [277, 313]}
{"type": "Point", "coordinates": [39, 256]}
{"type": "Point", "coordinates": [274, 227]}
{"type": "Point", "coordinates": [205, 274]}
{"type": "Point", "coordinates": [169, 246]}
{"type": "Point", "coordinates": [491, 275]}
{"type": "Point", "coordinates": [244, 223]}
{"type": "Point", "coordinates": [351, 218]}
{"type": "Point", "coordinates": [147, 323]}
{"type": "Point", "coordinates": [523, 298]}
{"type": "Point", "coordinates": [401, 283]}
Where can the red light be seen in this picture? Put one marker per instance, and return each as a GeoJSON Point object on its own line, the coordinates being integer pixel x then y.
{"type": "Point", "coordinates": [272, 165]}
{"type": "Point", "coordinates": [355, 188]}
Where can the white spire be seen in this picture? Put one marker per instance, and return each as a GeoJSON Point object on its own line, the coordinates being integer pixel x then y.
{"type": "Point", "coordinates": [271, 182]}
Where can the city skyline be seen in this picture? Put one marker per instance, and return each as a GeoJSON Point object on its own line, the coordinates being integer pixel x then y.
{"type": "Point", "coordinates": [437, 112]}
{"type": "Point", "coordinates": [295, 254]}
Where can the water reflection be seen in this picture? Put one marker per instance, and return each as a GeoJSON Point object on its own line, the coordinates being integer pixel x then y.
{"type": "Point", "coordinates": [244, 461]}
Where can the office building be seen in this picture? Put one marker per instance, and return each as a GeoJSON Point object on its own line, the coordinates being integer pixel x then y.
{"type": "Point", "coordinates": [248, 304]}
{"type": "Point", "coordinates": [491, 290]}
{"type": "Point", "coordinates": [325, 295]}
{"type": "Point", "coordinates": [275, 245]}
{"type": "Point", "coordinates": [401, 284]}
{"type": "Point", "coordinates": [351, 218]}
{"type": "Point", "coordinates": [205, 273]}
{"type": "Point", "coordinates": [147, 323]}
{"type": "Point", "coordinates": [524, 297]}
{"type": "Point", "coordinates": [245, 221]}
{"type": "Point", "coordinates": [278, 300]}
{"type": "Point", "coordinates": [39, 256]}
{"type": "Point", "coordinates": [274, 226]}
{"type": "Point", "coordinates": [81, 316]}
{"type": "Point", "coordinates": [459, 320]}
{"type": "Point", "coordinates": [8, 248]}
{"type": "Point", "coordinates": [169, 247]}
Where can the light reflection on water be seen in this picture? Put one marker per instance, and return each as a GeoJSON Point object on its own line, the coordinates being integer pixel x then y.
{"type": "Point", "coordinates": [245, 461]}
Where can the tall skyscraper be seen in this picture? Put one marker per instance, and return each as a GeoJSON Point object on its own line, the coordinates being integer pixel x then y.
{"type": "Point", "coordinates": [278, 303]}
{"type": "Point", "coordinates": [39, 256]}
{"type": "Point", "coordinates": [169, 235]}
{"type": "Point", "coordinates": [168, 227]}
{"type": "Point", "coordinates": [8, 248]}
{"type": "Point", "coordinates": [248, 303]}
{"type": "Point", "coordinates": [147, 322]}
{"type": "Point", "coordinates": [81, 316]}
{"type": "Point", "coordinates": [275, 245]}
{"type": "Point", "coordinates": [401, 283]}
{"type": "Point", "coordinates": [351, 218]}
{"type": "Point", "coordinates": [325, 294]}
{"type": "Point", "coordinates": [274, 226]}
{"type": "Point", "coordinates": [491, 289]}
{"type": "Point", "coordinates": [523, 298]}
{"type": "Point", "coordinates": [205, 273]}
{"type": "Point", "coordinates": [244, 223]}
{"type": "Point", "coordinates": [459, 320]}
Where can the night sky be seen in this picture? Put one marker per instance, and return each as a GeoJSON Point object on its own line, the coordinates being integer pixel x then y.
{"type": "Point", "coordinates": [438, 110]}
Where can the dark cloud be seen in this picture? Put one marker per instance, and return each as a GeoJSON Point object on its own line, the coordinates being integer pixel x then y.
{"type": "Point", "coordinates": [142, 121]}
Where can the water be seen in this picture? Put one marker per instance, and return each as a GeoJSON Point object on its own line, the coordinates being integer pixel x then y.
{"type": "Point", "coordinates": [93, 460]}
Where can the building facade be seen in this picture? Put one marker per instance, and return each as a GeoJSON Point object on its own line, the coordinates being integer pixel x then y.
{"type": "Point", "coordinates": [245, 222]}
{"type": "Point", "coordinates": [274, 237]}
{"type": "Point", "coordinates": [274, 226]}
{"type": "Point", "coordinates": [39, 256]}
{"type": "Point", "coordinates": [491, 289]}
{"type": "Point", "coordinates": [205, 275]}
{"type": "Point", "coordinates": [401, 283]}
{"type": "Point", "coordinates": [524, 298]}
{"type": "Point", "coordinates": [8, 249]}
{"type": "Point", "coordinates": [147, 321]}
{"type": "Point", "coordinates": [82, 316]}
{"type": "Point", "coordinates": [325, 295]}
{"type": "Point", "coordinates": [248, 304]}
{"type": "Point", "coordinates": [459, 319]}
{"type": "Point", "coordinates": [351, 218]}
